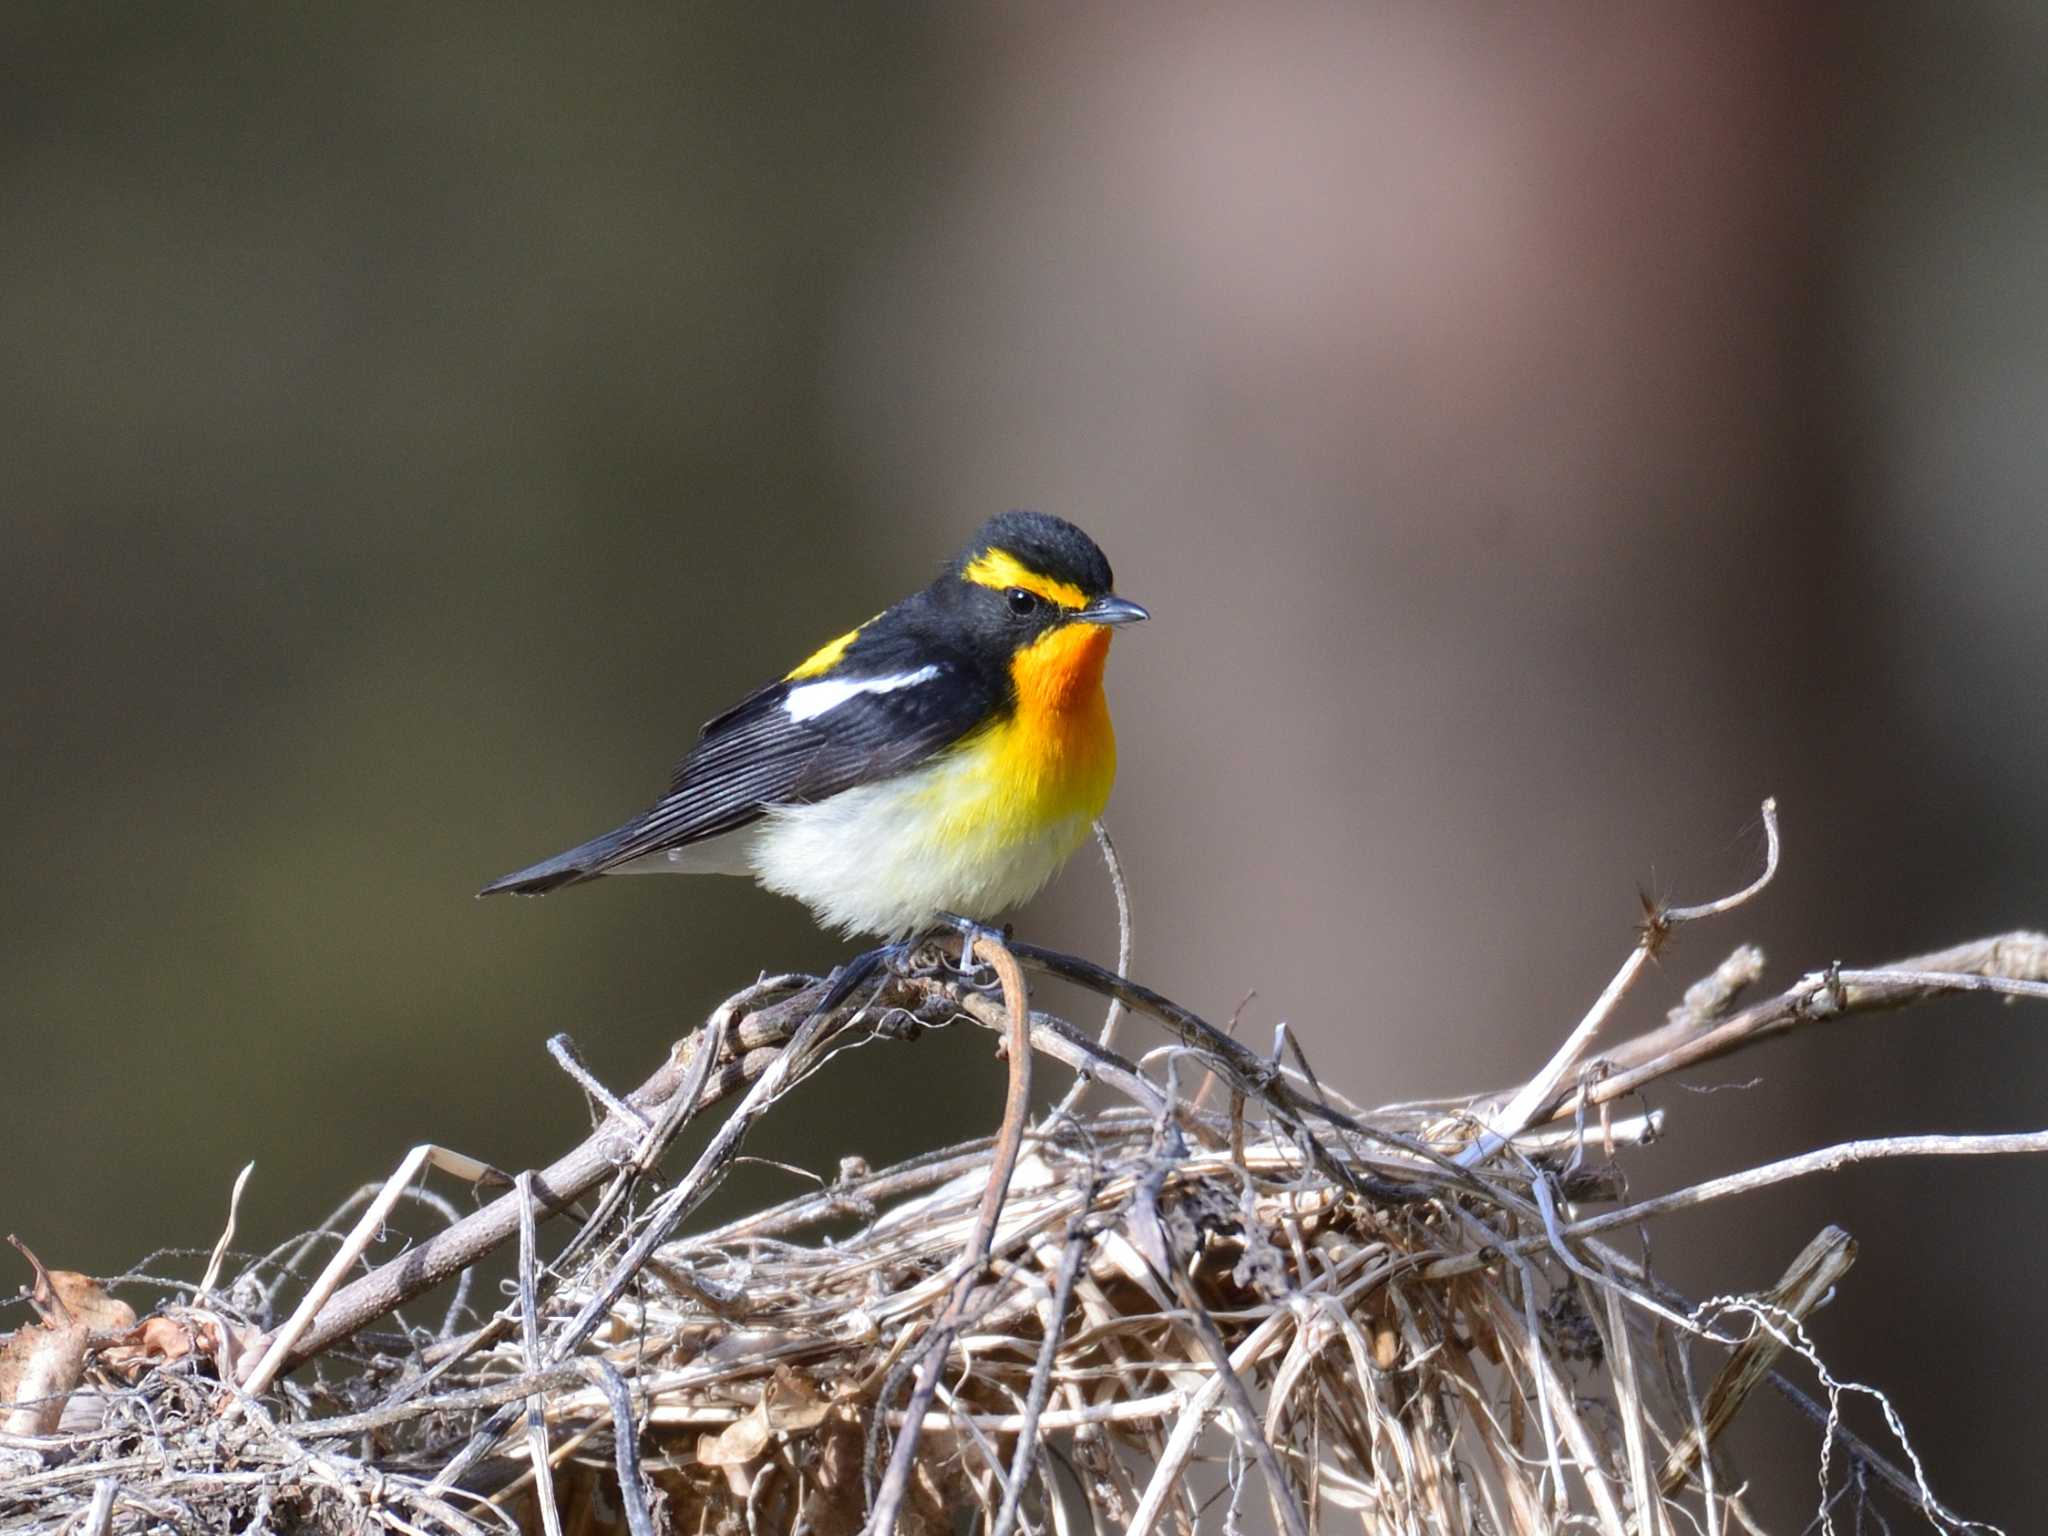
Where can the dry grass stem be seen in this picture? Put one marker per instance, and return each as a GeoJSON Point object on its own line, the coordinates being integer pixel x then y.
{"type": "Point", "coordinates": [1150, 1315]}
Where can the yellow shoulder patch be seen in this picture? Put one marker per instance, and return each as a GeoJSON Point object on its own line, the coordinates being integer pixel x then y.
{"type": "Point", "coordinates": [826, 656]}
{"type": "Point", "coordinates": [1002, 570]}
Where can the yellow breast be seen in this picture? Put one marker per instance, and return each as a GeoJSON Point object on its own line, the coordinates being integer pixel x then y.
{"type": "Point", "coordinates": [976, 829]}
{"type": "Point", "coordinates": [1050, 765]}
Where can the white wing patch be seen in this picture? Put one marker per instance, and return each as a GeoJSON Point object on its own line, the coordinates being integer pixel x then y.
{"type": "Point", "coordinates": [807, 701]}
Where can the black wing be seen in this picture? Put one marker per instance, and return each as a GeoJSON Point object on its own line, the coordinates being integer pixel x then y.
{"type": "Point", "coordinates": [760, 753]}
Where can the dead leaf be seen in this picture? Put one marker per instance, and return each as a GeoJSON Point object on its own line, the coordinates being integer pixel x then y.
{"type": "Point", "coordinates": [793, 1402]}
{"type": "Point", "coordinates": [789, 1402]}
{"type": "Point", "coordinates": [39, 1367]}
{"type": "Point", "coordinates": [88, 1302]}
{"type": "Point", "coordinates": [154, 1341]}
{"type": "Point", "coordinates": [42, 1363]}
{"type": "Point", "coordinates": [740, 1441]}
{"type": "Point", "coordinates": [173, 1334]}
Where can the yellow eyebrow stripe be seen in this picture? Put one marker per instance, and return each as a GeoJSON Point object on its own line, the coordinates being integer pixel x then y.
{"type": "Point", "coordinates": [826, 656]}
{"type": "Point", "coordinates": [1002, 570]}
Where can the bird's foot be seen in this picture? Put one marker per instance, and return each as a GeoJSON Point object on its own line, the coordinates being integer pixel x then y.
{"type": "Point", "coordinates": [969, 968]}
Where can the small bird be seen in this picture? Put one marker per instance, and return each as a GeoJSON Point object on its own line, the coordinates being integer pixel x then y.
{"type": "Point", "coordinates": [941, 760]}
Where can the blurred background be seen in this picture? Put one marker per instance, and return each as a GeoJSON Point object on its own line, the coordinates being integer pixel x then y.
{"type": "Point", "coordinates": [1539, 435]}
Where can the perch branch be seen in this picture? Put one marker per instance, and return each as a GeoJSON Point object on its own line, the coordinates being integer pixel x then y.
{"type": "Point", "coordinates": [556, 1187]}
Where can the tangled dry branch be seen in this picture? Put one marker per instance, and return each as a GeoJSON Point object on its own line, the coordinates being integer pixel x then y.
{"type": "Point", "coordinates": [1229, 1290]}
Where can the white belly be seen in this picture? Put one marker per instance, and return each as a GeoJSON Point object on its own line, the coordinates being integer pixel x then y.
{"type": "Point", "coordinates": [876, 859]}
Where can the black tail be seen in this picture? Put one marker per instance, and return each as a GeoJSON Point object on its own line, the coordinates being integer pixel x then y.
{"type": "Point", "coordinates": [584, 862]}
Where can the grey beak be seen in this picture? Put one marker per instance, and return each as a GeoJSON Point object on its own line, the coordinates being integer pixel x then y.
{"type": "Point", "coordinates": [1112, 611]}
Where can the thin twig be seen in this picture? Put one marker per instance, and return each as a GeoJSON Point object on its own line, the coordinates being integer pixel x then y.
{"type": "Point", "coordinates": [1071, 1257]}
{"type": "Point", "coordinates": [1993, 964]}
{"type": "Point", "coordinates": [1107, 1039]}
{"type": "Point", "coordinates": [625, 1444]}
{"type": "Point", "coordinates": [352, 1248]}
{"type": "Point", "coordinates": [1724, 904]}
{"type": "Point", "coordinates": [563, 1049]}
{"type": "Point", "coordinates": [1823, 1160]}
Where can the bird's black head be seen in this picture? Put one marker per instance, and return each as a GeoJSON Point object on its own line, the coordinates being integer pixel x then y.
{"type": "Point", "coordinates": [1038, 545]}
{"type": "Point", "coordinates": [1024, 573]}
{"type": "Point", "coordinates": [1022, 576]}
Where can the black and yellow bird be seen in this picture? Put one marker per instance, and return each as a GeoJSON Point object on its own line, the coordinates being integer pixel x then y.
{"type": "Point", "coordinates": [943, 759]}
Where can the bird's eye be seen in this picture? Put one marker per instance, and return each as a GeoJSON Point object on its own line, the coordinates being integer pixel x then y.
{"type": "Point", "coordinates": [1022, 603]}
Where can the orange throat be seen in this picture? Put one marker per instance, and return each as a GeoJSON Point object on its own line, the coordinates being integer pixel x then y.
{"type": "Point", "coordinates": [1062, 749]}
{"type": "Point", "coordinates": [1061, 673]}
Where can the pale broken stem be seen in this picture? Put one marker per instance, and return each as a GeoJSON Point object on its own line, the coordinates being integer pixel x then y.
{"type": "Point", "coordinates": [1823, 1160]}
{"type": "Point", "coordinates": [1826, 1413]}
{"type": "Point", "coordinates": [1629, 1407]}
{"type": "Point", "coordinates": [1522, 1109]}
{"type": "Point", "coordinates": [220, 1249]}
{"type": "Point", "coordinates": [888, 1501]}
{"type": "Point", "coordinates": [1805, 1286]}
{"type": "Point", "coordinates": [1629, 1131]}
{"type": "Point", "coordinates": [352, 1248]}
{"type": "Point", "coordinates": [99, 1520]}
{"type": "Point", "coordinates": [1710, 998]}
{"type": "Point", "coordinates": [1865, 1455]}
{"type": "Point", "coordinates": [529, 1336]}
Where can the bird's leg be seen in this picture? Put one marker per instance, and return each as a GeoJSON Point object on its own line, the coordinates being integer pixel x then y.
{"type": "Point", "coordinates": [970, 930]}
